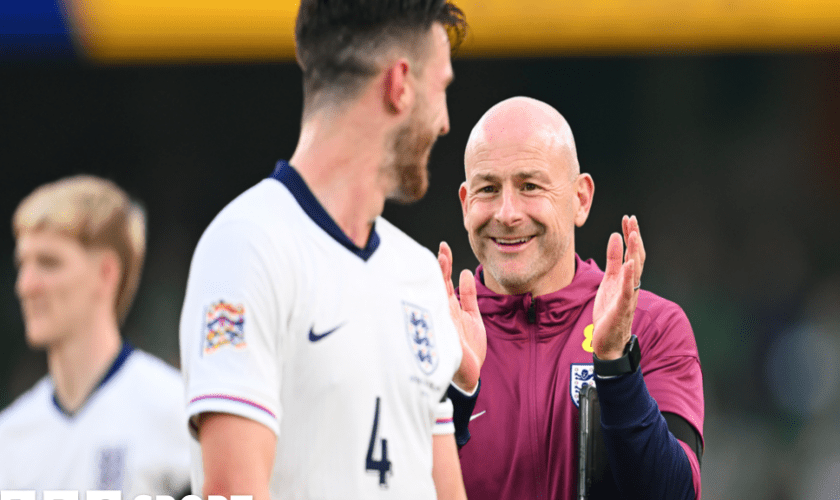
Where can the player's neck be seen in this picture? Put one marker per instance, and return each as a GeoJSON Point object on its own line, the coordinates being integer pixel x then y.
{"type": "Point", "coordinates": [339, 156]}
{"type": "Point", "coordinates": [78, 362]}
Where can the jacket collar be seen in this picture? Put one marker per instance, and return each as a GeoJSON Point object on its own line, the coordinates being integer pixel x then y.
{"type": "Point", "coordinates": [551, 308]}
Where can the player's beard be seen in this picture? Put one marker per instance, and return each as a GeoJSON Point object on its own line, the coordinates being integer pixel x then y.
{"type": "Point", "coordinates": [411, 148]}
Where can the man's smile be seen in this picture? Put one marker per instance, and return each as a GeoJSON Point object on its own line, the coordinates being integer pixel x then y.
{"type": "Point", "coordinates": [511, 244]}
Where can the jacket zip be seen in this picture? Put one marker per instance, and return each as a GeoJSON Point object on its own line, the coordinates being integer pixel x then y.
{"type": "Point", "coordinates": [532, 311]}
{"type": "Point", "coordinates": [531, 315]}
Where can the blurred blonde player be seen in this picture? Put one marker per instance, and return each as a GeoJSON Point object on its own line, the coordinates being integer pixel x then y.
{"type": "Point", "coordinates": [107, 416]}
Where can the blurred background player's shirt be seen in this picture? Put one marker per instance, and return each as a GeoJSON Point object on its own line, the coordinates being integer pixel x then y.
{"type": "Point", "coordinates": [129, 435]}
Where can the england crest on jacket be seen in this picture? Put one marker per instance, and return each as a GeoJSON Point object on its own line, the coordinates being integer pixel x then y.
{"type": "Point", "coordinates": [582, 373]}
{"type": "Point", "coordinates": [421, 337]}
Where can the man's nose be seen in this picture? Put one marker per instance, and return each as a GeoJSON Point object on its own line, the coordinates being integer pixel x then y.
{"type": "Point", "coordinates": [27, 282]}
{"type": "Point", "coordinates": [509, 211]}
{"type": "Point", "coordinates": [444, 128]}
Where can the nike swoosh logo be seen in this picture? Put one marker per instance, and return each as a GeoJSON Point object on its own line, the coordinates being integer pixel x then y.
{"type": "Point", "coordinates": [473, 417]}
{"type": "Point", "coordinates": [315, 337]}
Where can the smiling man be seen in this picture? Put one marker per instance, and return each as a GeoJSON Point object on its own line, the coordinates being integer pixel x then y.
{"type": "Point", "coordinates": [107, 416]}
{"type": "Point", "coordinates": [555, 321]}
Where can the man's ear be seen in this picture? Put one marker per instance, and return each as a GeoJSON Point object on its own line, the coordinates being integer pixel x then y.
{"type": "Point", "coordinates": [110, 270]}
{"type": "Point", "coordinates": [462, 194]}
{"type": "Point", "coordinates": [398, 87]}
{"type": "Point", "coordinates": [584, 192]}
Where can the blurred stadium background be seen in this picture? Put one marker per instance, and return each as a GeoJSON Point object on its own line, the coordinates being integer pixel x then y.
{"type": "Point", "coordinates": [716, 122]}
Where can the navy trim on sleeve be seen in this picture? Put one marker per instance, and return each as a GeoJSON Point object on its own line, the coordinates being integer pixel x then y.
{"type": "Point", "coordinates": [646, 459]}
{"type": "Point", "coordinates": [289, 177]}
{"type": "Point", "coordinates": [463, 407]}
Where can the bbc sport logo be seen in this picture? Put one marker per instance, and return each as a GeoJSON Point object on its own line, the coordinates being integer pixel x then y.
{"type": "Point", "coordinates": [100, 495]}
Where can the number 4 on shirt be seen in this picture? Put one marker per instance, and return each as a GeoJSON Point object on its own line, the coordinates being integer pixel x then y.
{"type": "Point", "coordinates": [383, 465]}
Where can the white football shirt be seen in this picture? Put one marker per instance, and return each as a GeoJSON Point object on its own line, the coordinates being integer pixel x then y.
{"type": "Point", "coordinates": [345, 353]}
{"type": "Point", "coordinates": [128, 436]}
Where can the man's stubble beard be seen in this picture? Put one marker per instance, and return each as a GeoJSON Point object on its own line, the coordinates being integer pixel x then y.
{"type": "Point", "coordinates": [523, 280]}
{"type": "Point", "coordinates": [412, 146]}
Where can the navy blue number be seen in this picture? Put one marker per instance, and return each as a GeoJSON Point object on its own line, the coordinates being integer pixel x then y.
{"type": "Point", "coordinates": [383, 465]}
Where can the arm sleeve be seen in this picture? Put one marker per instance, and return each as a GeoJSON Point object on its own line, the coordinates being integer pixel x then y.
{"type": "Point", "coordinates": [646, 459]}
{"type": "Point", "coordinates": [229, 326]}
{"type": "Point", "coordinates": [463, 406]}
{"type": "Point", "coordinates": [443, 418]}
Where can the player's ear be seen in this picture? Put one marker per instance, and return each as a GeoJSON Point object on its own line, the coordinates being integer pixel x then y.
{"type": "Point", "coordinates": [398, 91]}
{"type": "Point", "coordinates": [462, 194]}
{"type": "Point", "coordinates": [584, 192]}
{"type": "Point", "coordinates": [110, 270]}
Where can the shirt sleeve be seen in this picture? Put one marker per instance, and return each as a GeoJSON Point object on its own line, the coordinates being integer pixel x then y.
{"type": "Point", "coordinates": [443, 418]}
{"type": "Point", "coordinates": [463, 404]}
{"type": "Point", "coordinates": [646, 458]}
{"type": "Point", "coordinates": [230, 331]}
{"type": "Point", "coordinates": [670, 363]}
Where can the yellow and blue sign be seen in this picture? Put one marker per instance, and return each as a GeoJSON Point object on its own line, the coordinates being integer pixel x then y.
{"type": "Point", "coordinates": [139, 31]}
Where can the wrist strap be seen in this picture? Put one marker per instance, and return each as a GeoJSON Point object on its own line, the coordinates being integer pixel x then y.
{"type": "Point", "coordinates": [628, 363]}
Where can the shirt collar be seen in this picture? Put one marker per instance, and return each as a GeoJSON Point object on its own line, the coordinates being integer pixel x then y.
{"type": "Point", "coordinates": [118, 363]}
{"type": "Point", "coordinates": [289, 177]}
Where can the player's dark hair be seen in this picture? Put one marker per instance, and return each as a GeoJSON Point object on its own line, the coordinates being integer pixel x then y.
{"type": "Point", "coordinates": [338, 41]}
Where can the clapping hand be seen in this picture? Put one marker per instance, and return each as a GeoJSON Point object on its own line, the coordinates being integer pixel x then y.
{"type": "Point", "coordinates": [467, 319]}
{"type": "Point", "coordinates": [615, 302]}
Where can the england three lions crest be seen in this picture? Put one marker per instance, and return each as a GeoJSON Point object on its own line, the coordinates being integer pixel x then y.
{"type": "Point", "coordinates": [582, 373]}
{"type": "Point", "coordinates": [421, 337]}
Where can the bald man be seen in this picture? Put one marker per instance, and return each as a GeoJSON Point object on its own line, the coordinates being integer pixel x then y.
{"type": "Point", "coordinates": [556, 322]}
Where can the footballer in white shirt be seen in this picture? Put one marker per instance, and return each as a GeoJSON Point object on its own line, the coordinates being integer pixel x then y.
{"type": "Point", "coordinates": [318, 340]}
{"type": "Point", "coordinates": [106, 416]}
{"type": "Point", "coordinates": [344, 353]}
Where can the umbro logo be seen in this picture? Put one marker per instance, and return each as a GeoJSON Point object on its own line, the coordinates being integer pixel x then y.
{"type": "Point", "coordinates": [315, 337]}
